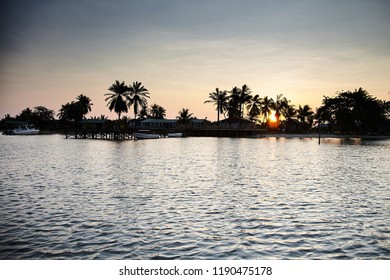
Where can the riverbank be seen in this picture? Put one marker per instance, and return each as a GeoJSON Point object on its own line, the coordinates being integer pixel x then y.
{"type": "Point", "coordinates": [323, 136]}
{"type": "Point", "coordinates": [266, 135]}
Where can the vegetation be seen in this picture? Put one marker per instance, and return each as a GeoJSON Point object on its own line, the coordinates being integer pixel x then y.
{"type": "Point", "coordinates": [279, 106]}
{"type": "Point", "coordinates": [154, 112]}
{"type": "Point", "coordinates": [40, 116]}
{"type": "Point", "coordinates": [220, 100]}
{"type": "Point", "coordinates": [184, 116]}
{"type": "Point", "coordinates": [266, 107]}
{"type": "Point", "coordinates": [37, 116]}
{"type": "Point", "coordinates": [305, 116]}
{"type": "Point", "coordinates": [240, 100]}
{"type": "Point", "coordinates": [76, 110]}
{"type": "Point", "coordinates": [157, 112]}
{"type": "Point", "coordinates": [117, 99]}
{"type": "Point", "coordinates": [356, 112]}
{"type": "Point", "coordinates": [123, 97]}
{"type": "Point", "coordinates": [84, 103]}
{"type": "Point", "coordinates": [347, 112]}
{"type": "Point", "coordinates": [137, 97]}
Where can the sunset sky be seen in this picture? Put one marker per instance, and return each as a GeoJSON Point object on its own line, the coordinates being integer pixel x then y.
{"type": "Point", "coordinates": [52, 51]}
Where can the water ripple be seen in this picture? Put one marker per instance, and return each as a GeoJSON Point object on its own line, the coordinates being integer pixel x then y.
{"type": "Point", "coordinates": [193, 198]}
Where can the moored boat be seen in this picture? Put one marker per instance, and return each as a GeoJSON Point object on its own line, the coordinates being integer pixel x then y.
{"type": "Point", "coordinates": [175, 134]}
{"type": "Point", "coordinates": [22, 130]}
{"type": "Point", "coordinates": [145, 134]}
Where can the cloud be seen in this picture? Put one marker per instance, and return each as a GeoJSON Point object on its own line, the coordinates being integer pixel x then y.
{"type": "Point", "coordinates": [193, 46]}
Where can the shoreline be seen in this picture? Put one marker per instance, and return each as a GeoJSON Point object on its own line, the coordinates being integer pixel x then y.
{"type": "Point", "coordinates": [325, 136]}
{"type": "Point", "coordinates": [281, 135]}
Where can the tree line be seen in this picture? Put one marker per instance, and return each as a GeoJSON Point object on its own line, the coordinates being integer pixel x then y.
{"type": "Point", "coordinates": [354, 112]}
{"type": "Point", "coordinates": [122, 97]}
{"type": "Point", "coordinates": [234, 103]}
{"type": "Point", "coordinates": [347, 112]}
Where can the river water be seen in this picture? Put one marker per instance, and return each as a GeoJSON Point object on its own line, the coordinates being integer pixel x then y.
{"type": "Point", "coordinates": [194, 198]}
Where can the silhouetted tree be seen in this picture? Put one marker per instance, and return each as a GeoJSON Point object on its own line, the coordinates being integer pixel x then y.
{"type": "Point", "coordinates": [41, 113]}
{"type": "Point", "coordinates": [41, 116]}
{"type": "Point", "coordinates": [254, 107]}
{"type": "Point", "coordinates": [7, 117]}
{"type": "Point", "coordinates": [234, 103]}
{"type": "Point", "coordinates": [25, 115]}
{"type": "Point", "coordinates": [125, 120]}
{"type": "Point", "coordinates": [305, 116]}
{"type": "Point", "coordinates": [75, 110]}
{"type": "Point", "coordinates": [353, 112]}
{"type": "Point", "coordinates": [266, 107]}
{"type": "Point", "coordinates": [70, 112]}
{"type": "Point", "coordinates": [157, 112]}
{"type": "Point", "coordinates": [117, 99]}
{"type": "Point", "coordinates": [85, 104]}
{"type": "Point", "coordinates": [137, 97]}
{"type": "Point", "coordinates": [244, 98]}
{"type": "Point", "coordinates": [279, 105]}
{"type": "Point", "coordinates": [220, 100]}
{"type": "Point", "coordinates": [288, 112]}
{"type": "Point", "coordinates": [144, 112]}
{"type": "Point", "coordinates": [184, 116]}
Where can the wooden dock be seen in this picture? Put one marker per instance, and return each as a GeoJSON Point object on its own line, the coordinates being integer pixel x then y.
{"type": "Point", "coordinates": [102, 135]}
{"type": "Point", "coordinates": [225, 132]}
{"type": "Point", "coordinates": [128, 134]}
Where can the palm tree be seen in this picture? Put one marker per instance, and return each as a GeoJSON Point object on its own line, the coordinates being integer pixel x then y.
{"type": "Point", "coordinates": [305, 114]}
{"type": "Point", "coordinates": [125, 120]}
{"type": "Point", "coordinates": [288, 112]}
{"type": "Point", "coordinates": [144, 113]}
{"type": "Point", "coordinates": [70, 112]}
{"type": "Point", "coordinates": [116, 100]}
{"type": "Point", "coordinates": [184, 116]}
{"type": "Point", "coordinates": [279, 105]}
{"type": "Point", "coordinates": [234, 103]}
{"type": "Point", "coordinates": [220, 99]}
{"type": "Point", "coordinates": [85, 103]}
{"type": "Point", "coordinates": [244, 98]}
{"type": "Point", "coordinates": [157, 112]}
{"type": "Point", "coordinates": [266, 107]}
{"type": "Point", "coordinates": [138, 95]}
{"type": "Point", "coordinates": [254, 107]}
{"type": "Point", "coordinates": [64, 113]}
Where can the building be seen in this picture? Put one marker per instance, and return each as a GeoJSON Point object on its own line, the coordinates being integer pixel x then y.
{"type": "Point", "coordinates": [94, 124]}
{"type": "Point", "coordinates": [171, 124]}
{"type": "Point", "coordinates": [158, 123]}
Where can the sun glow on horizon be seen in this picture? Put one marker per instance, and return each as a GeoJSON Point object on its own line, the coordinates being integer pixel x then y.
{"type": "Point", "coordinates": [272, 117]}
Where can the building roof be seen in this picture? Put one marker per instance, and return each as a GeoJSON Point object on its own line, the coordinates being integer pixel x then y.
{"type": "Point", "coordinates": [159, 121]}
{"type": "Point", "coordinates": [93, 121]}
{"type": "Point", "coordinates": [14, 122]}
{"type": "Point", "coordinates": [198, 120]}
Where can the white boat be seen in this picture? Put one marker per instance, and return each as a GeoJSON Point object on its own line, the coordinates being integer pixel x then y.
{"type": "Point", "coordinates": [175, 134]}
{"type": "Point", "coordinates": [25, 130]}
{"type": "Point", "coordinates": [145, 134]}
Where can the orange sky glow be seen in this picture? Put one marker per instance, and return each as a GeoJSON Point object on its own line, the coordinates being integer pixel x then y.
{"type": "Point", "coordinates": [181, 51]}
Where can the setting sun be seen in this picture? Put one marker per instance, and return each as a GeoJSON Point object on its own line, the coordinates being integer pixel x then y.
{"type": "Point", "coordinates": [272, 117]}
